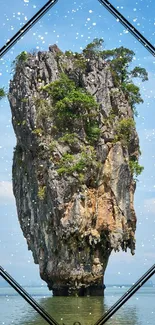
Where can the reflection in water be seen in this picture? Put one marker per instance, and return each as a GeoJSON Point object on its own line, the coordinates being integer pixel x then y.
{"type": "Point", "coordinates": [85, 310]}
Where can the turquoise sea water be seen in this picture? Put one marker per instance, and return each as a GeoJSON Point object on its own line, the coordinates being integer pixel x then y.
{"type": "Point", "coordinates": [139, 310]}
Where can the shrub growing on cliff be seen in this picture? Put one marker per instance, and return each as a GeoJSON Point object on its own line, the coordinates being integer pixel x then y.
{"type": "Point", "coordinates": [93, 49]}
{"type": "Point", "coordinates": [135, 168]}
{"type": "Point", "coordinates": [69, 138]}
{"type": "Point", "coordinates": [120, 59]}
{"type": "Point", "coordinates": [73, 107]}
{"type": "Point", "coordinates": [133, 94]}
{"type": "Point", "coordinates": [38, 132]}
{"type": "Point", "coordinates": [41, 192]}
{"type": "Point", "coordinates": [93, 131]}
{"type": "Point", "coordinates": [2, 93]}
{"type": "Point", "coordinates": [22, 57]}
{"type": "Point", "coordinates": [124, 130]}
{"type": "Point", "coordinates": [69, 54]}
{"type": "Point", "coordinates": [59, 88]}
{"type": "Point", "coordinates": [138, 72]}
{"type": "Point", "coordinates": [78, 164]}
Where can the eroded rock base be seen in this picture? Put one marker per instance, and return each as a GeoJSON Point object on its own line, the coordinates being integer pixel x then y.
{"type": "Point", "coordinates": [93, 290]}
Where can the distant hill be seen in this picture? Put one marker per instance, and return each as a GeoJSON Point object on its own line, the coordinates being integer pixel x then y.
{"type": "Point", "coordinates": [147, 284]}
{"type": "Point", "coordinates": [4, 284]}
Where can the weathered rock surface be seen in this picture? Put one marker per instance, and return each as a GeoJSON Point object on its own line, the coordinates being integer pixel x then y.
{"type": "Point", "coordinates": [70, 228]}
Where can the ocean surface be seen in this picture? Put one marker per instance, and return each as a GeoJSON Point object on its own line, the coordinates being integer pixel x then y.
{"type": "Point", "coordinates": [139, 310]}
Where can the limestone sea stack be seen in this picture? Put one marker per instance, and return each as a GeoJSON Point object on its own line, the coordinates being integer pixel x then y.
{"type": "Point", "coordinates": [72, 180]}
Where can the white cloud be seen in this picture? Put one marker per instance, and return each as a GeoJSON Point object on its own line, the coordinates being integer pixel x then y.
{"type": "Point", "coordinates": [6, 192]}
{"type": "Point", "coordinates": [149, 205]}
{"type": "Point", "coordinates": [150, 255]}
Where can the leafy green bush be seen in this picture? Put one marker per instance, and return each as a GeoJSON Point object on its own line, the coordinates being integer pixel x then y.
{"type": "Point", "coordinates": [135, 168]}
{"type": "Point", "coordinates": [24, 100]}
{"type": "Point", "coordinates": [119, 59]}
{"type": "Point", "coordinates": [134, 96]}
{"type": "Point", "coordinates": [22, 57]}
{"type": "Point", "coordinates": [58, 55]}
{"type": "Point", "coordinates": [71, 106]}
{"type": "Point", "coordinates": [52, 146]}
{"type": "Point", "coordinates": [111, 116]}
{"type": "Point", "coordinates": [2, 93]}
{"type": "Point", "coordinates": [69, 54]}
{"type": "Point", "coordinates": [65, 164]}
{"type": "Point", "coordinates": [24, 122]}
{"type": "Point", "coordinates": [69, 138]}
{"type": "Point", "coordinates": [41, 192]}
{"type": "Point", "coordinates": [38, 132]}
{"type": "Point", "coordinates": [124, 130]}
{"type": "Point", "coordinates": [80, 64]}
{"type": "Point", "coordinates": [59, 88]}
{"type": "Point", "coordinates": [71, 163]}
{"type": "Point", "coordinates": [71, 103]}
{"type": "Point", "coordinates": [138, 72]}
{"type": "Point", "coordinates": [93, 131]}
{"type": "Point", "coordinates": [93, 49]}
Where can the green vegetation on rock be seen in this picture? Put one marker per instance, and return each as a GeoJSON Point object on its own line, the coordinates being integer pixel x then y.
{"type": "Point", "coordinates": [73, 106]}
{"type": "Point", "coordinates": [24, 100]}
{"type": "Point", "coordinates": [69, 54]}
{"type": "Point", "coordinates": [74, 111]}
{"type": "Point", "coordinates": [79, 164]}
{"type": "Point", "coordinates": [135, 168]}
{"type": "Point", "coordinates": [59, 88]}
{"type": "Point", "coordinates": [69, 138]}
{"type": "Point", "coordinates": [92, 50]}
{"type": "Point", "coordinates": [2, 93]}
{"type": "Point", "coordinates": [124, 130]}
{"type": "Point", "coordinates": [119, 60]}
{"type": "Point", "coordinates": [19, 60]}
{"type": "Point", "coordinates": [133, 95]}
{"type": "Point", "coordinates": [41, 192]}
{"type": "Point", "coordinates": [38, 132]}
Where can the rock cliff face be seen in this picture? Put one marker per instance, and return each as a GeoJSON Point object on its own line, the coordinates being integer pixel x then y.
{"type": "Point", "coordinates": [71, 220]}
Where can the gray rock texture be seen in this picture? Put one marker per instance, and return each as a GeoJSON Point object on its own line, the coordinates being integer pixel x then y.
{"type": "Point", "coordinates": [71, 228]}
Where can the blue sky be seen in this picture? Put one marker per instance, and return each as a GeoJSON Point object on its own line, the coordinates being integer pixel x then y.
{"type": "Point", "coordinates": [72, 25]}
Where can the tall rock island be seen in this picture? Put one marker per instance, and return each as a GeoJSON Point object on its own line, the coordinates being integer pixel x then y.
{"type": "Point", "coordinates": [73, 166]}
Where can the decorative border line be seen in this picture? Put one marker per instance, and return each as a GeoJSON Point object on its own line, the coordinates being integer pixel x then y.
{"type": "Point", "coordinates": [105, 3]}
{"type": "Point", "coordinates": [129, 26]}
{"type": "Point", "coordinates": [126, 296]}
{"type": "Point", "coordinates": [151, 271]}
{"type": "Point", "coordinates": [102, 320]}
{"type": "Point", "coordinates": [27, 26]}
{"type": "Point", "coordinates": [27, 297]}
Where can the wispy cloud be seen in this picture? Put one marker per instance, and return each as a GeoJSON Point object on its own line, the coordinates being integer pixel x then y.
{"type": "Point", "coordinates": [6, 192]}
{"type": "Point", "coordinates": [149, 205]}
{"type": "Point", "coordinates": [149, 255]}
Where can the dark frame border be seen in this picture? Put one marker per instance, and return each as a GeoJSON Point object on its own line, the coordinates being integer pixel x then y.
{"type": "Point", "coordinates": [6, 276]}
{"type": "Point", "coordinates": [128, 26]}
{"type": "Point", "coordinates": [151, 271]}
{"type": "Point", "coordinates": [102, 320]}
{"type": "Point", "coordinates": [105, 3]}
{"type": "Point", "coordinates": [40, 13]}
